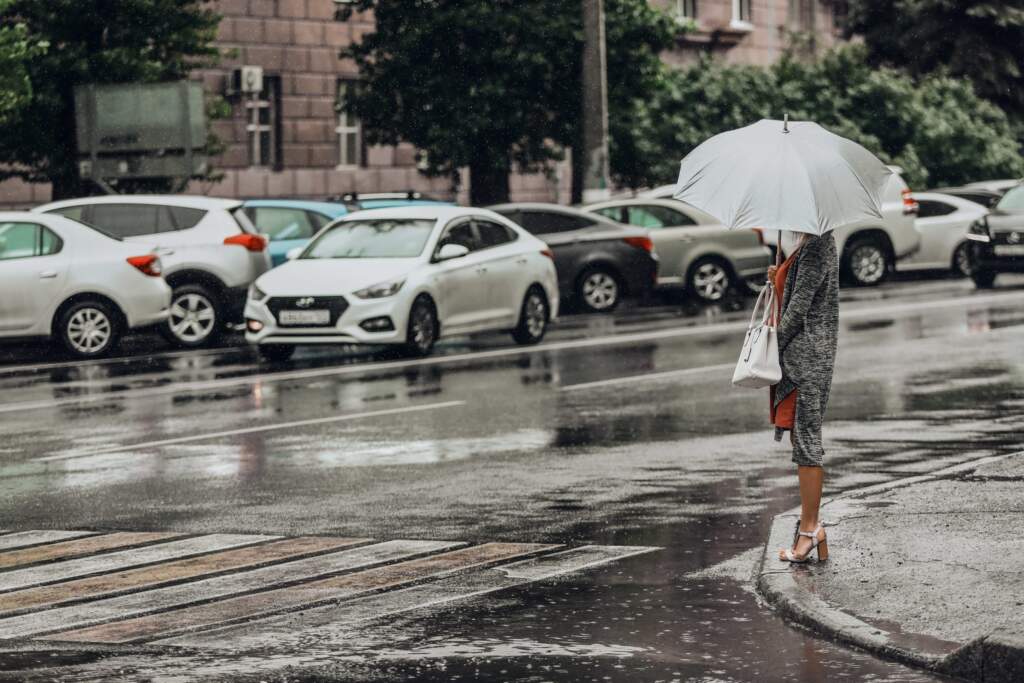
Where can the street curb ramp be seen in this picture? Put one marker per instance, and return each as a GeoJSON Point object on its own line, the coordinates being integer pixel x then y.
{"type": "Point", "coordinates": [995, 658]}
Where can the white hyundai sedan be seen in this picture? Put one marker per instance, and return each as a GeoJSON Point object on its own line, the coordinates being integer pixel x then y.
{"type": "Point", "coordinates": [405, 276]}
{"type": "Point", "coordinates": [61, 278]}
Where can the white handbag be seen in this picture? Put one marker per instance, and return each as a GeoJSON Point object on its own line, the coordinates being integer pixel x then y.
{"type": "Point", "coordinates": [759, 365]}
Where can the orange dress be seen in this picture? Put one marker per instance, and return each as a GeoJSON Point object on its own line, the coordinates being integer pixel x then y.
{"type": "Point", "coordinates": [785, 413]}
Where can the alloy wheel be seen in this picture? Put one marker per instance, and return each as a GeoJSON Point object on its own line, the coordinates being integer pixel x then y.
{"type": "Point", "coordinates": [192, 317]}
{"type": "Point", "coordinates": [867, 263]}
{"type": "Point", "coordinates": [536, 314]}
{"type": "Point", "coordinates": [422, 327]}
{"type": "Point", "coordinates": [962, 261]}
{"type": "Point", "coordinates": [600, 291]}
{"type": "Point", "coordinates": [89, 330]}
{"type": "Point", "coordinates": [711, 281]}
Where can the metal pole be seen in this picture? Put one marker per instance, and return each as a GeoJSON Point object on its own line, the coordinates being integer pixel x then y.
{"type": "Point", "coordinates": [595, 104]}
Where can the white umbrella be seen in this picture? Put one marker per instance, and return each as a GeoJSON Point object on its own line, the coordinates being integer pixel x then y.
{"type": "Point", "coordinates": [783, 176]}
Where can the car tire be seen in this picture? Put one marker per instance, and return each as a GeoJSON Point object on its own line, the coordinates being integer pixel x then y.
{"type": "Point", "coordinates": [89, 329]}
{"type": "Point", "coordinates": [598, 290]}
{"type": "Point", "coordinates": [962, 260]}
{"type": "Point", "coordinates": [276, 353]}
{"type": "Point", "coordinates": [983, 278]}
{"type": "Point", "coordinates": [534, 316]}
{"type": "Point", "coordinates": [196, 318]}
{"type": "Point", "coordinates": [867, 262]}
{"type": "Point", "coordinates": [709, 279]}
{"type": "Point", "coordinates": [422, 328]}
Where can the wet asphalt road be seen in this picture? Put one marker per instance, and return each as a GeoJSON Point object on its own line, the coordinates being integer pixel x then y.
{"type": "Point", "coordinates": [617, 430]}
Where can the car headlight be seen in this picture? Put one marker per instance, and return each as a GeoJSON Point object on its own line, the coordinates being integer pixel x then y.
{"type": "Point", "coordinates": [255, 293]}
{"type": "Point", "coordinates": [979, 231]}
{"type": "Point", "coordinates": [380, 291]}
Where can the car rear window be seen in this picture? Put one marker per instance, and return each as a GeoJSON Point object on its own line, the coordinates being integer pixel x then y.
{"type": "Point", "coordinates": [185, 217]}
{"type": "Point", "coordinates": [132, 220]}
{"type": "Point", "coordinates": [548, 222]}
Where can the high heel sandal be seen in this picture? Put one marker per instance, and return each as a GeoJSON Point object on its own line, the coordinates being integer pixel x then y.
{"type": "Point", "coordinates": [819, 544]}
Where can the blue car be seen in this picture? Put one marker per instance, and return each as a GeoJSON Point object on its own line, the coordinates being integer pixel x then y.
{"type": "Point", "coordinates": [291, 222]}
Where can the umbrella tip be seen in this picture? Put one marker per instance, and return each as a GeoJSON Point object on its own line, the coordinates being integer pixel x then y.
{"type": "Point", "coordinates": [785, 123]}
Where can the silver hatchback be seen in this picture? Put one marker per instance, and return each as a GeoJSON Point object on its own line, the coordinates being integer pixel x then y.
{"type": "Point", "coordinates": [697, 253]}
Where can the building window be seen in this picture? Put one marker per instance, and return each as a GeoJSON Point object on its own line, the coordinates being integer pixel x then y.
{"type": "Point", "coordinates": [350, 134]}
{"type": "Point", "coordinates": [264, 127]}
{"type": "Point", "coordinates": [741, 13]}
{"type": "Point", "coordinates": [802, 15]}
{"type": "Point", "coordinates": [686, 9]}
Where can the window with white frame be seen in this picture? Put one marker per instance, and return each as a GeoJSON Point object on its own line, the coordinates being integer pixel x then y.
{"type": "Point", "coordinates": [349, 130]}
{"type": "Point", "coordinates": [263, 112]}
{"type": "Point", "coordinates": [686, 9]}
{"type": "Point", "coordinates": [741, 12]}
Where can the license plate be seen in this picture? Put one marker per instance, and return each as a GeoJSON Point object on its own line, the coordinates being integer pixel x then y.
{"type": "Point", "coordinates": [315, 317]}
{"type": "Point", "coordinates": [1010, 250]}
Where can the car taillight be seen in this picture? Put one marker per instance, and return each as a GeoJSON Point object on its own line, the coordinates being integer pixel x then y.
{"type": "Point", "coordinates": [910, 205]}
{"type": "Point", "coordinates": [644, 243]}
{"type": "Point", "coordinates": [148, 264]}
{"type": "Point", "coordinates": [250, 242]}
{"type": "Point", "coordinates": [547, 252]}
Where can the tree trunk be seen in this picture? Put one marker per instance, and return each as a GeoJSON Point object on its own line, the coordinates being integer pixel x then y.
{"type": "Point", "coordinates": [488, 182]}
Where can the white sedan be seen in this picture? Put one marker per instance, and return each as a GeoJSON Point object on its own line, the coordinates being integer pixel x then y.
{"type": "Point", "coordinates": [63, 279]}
{"type": "Point", "coordinates": [942, 222]}
{"type": "Point", "coordinates": [406, 276]}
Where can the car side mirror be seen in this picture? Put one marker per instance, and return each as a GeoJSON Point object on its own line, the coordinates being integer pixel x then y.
{"type": "Point", "coordinates": [450, 251]}
{"type": "Point", "coordinates": [293, 253]}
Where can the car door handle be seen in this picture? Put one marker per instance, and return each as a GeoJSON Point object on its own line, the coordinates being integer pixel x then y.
{"type": "Point", "coordinates": [47, 274]}
{"type": "Point", "coordinates": [522, 261]}
{"type": "Point", "coordinates": [481, 269]}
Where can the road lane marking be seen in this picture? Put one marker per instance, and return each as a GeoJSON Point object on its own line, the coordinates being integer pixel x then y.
{"type": "Point", "coordinates": [96, 564]}
{"type": "Point", "coordinates": [648, 377]}
{"type": "Point", "coordinates": [78, 547]}
{"type": "Point", "coordinates": [203, 566]}
{"type": "Point", "coordinates": [608, 340]}
{"type": "Point", "coordinates": [320, 624]}
{"type": "Point", "coordinates": [21, 539]}
{"type": "Point", "coordinates": [220, 587]}
{"type": "Point", "coordinates": [301, 596]}
{"type": "Point", "coordinates": [250, 430]}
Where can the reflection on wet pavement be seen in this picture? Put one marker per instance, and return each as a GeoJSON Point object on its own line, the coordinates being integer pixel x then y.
{"type": "Point", "coordinates": [687, 465]}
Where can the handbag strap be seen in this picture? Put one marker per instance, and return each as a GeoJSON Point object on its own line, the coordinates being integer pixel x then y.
{"type": "Point", "coordinates": [768, 292]}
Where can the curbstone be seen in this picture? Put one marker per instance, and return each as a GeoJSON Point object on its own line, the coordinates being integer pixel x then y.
{"type": "Point", "coordinates": [995, 658]}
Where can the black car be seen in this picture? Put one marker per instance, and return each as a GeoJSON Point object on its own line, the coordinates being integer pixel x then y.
{"type": "Point", "coordinates": [598, 260]}
{"type": "Point", "coordinates": [997, 240]}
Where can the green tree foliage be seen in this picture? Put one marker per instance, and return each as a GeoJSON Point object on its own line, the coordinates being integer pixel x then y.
{"type": "Point", "coordinates": [936, 128]}
{"type": "Point", "coordinates": [16, 51]}
{"type": "Point", "coordinates": [91, 41]}
{"type": "Point", "coordinates": [495, 85]}
{"type": "Point", "coordinates": [981, 40]}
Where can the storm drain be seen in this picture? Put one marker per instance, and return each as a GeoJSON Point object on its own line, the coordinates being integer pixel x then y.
{"type": "Point", "coordinates": [130, 587]}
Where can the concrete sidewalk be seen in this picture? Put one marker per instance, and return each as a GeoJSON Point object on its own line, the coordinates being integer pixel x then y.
{"type": "Point", "coordinates": [928, 571]}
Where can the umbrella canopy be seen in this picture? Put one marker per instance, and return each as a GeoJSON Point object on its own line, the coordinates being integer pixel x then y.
{"type": "Point", "coordinates": [783, 176]}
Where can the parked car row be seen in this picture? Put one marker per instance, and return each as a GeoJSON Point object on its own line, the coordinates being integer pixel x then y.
{"type": "Point", "coordinates": [405, 269]}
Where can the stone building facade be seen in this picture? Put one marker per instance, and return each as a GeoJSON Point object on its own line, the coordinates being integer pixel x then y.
{"type": "Point", "coordinates": [290, 140]}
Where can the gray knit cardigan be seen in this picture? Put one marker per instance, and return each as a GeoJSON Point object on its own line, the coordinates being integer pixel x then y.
{"type": "Point", "coordinates": [808, 334]}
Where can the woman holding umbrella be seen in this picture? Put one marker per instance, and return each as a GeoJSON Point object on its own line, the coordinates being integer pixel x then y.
{"type": "Point", "coordinates": [808, 332]}
{"type": "Point", "coordinates": [802, 181]}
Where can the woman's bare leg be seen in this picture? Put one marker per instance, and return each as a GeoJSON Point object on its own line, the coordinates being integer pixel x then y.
{"type": "Point", "coordinates": [811, 481]}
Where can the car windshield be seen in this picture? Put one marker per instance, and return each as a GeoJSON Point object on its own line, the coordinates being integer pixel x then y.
{"type": "Point", "coordinates": [384, 238]}
{"type": "Point", "coordinates": [1012, 201]}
